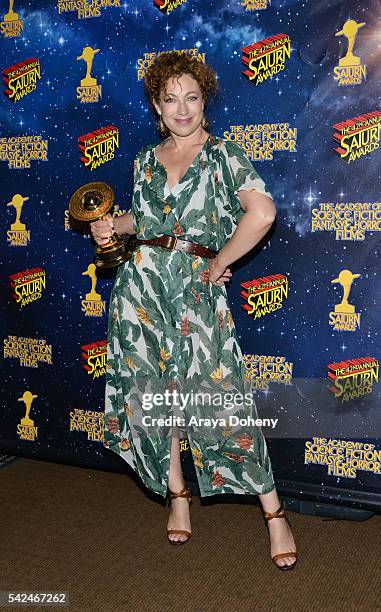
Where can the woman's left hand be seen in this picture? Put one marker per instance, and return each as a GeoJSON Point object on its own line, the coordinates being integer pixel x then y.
{"type": "Point", "coordinates": [218, 274]}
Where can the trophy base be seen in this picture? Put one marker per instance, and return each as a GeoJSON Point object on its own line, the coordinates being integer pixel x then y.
{"type": "Point", "coordinates": [11, 16]}
{"type": "Point", "coordinates": [117, 253]}
{"type": "Point", "coordinates": [89, 82]}
{"type": "Point", "coordinates": [349, 60]}
{"type": "Point", "coordinates": [26, 421]}
{"type": "Point", "coordinates": [344, 308]}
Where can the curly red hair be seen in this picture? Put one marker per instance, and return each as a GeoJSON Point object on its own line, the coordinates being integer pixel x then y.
{"type": "Point", "coordinates": [171, 64]}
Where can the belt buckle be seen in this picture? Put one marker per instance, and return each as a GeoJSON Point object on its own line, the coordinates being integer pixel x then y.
{"type": "Point", "coordinates": [172, 243]}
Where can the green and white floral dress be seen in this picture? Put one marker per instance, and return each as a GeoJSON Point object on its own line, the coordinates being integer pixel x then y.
{"type": "Point", "coordinates": [169, 329]}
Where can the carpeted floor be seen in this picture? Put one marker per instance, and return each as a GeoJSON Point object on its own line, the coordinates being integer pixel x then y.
{"type": "Point", "coordinates": [97, 536]}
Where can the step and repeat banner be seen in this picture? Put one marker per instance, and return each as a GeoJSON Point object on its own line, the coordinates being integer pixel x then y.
{"type": "Point", "coordinates": [300, 93]}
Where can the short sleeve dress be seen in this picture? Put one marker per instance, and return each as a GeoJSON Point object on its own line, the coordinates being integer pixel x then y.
{"type": "Point", "coordinates": [171, 331]}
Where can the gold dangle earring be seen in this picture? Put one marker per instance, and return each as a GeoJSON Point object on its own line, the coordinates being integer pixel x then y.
{"type": "Point", "coordinates": [204, 122]}
{"type": "Point", "coordinates": [162, 127]}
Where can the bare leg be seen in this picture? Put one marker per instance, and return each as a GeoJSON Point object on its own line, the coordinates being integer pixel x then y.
{"type": "Point", "coordinates": [179, 509]}
{"type": "Point", "coordinates": [281, 536]}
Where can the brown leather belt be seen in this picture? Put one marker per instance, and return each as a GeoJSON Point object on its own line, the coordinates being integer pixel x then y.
{"type": "Point", "coordinates": [172, 242]}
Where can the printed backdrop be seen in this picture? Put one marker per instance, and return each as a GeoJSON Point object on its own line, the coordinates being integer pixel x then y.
{"type": "Point", "coordinates": [300, 93]}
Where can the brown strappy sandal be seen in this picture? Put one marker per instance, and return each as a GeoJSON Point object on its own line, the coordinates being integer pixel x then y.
{"type": "Point", "coordinates": [172, 495]}
{"type": "Point", "coordinates": [280, 514]}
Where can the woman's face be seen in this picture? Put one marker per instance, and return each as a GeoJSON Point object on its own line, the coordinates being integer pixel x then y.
{"type": "Point", "coordinates": [181, 105]}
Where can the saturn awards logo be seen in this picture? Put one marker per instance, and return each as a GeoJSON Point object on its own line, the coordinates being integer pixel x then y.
{"type": "Point", "coordinates": [350, 71]}
{"type": "Point", "coordinates": [353, 378]}
{"type": "Point", "coordinates": [95, 357]}
{"type": "Point", "coordinates": [11, 25]}
{"type": "Point", "coordinates": [344, 317]}
{"type": "Point", "coordinates": [167, 6]}
{"type": "Point", "coordinates": [18, 235]}
{"type": "Point", "coordinates": [255, 5]}
{"type": "Point", "coordinates": [21, 78]}
{"type": "Point", "coordinates": [28, 285]}
{"type": "Point", "coordinates": [264, 295]}
{"type": "Point", "coordinates": [26, 429]}
{"type": "Point", "coordinates": [93, 305]}
{"type": "Point", "coordinates": [89, 90]}
{"type": "Point", "coordinates": [265, 58]}
{"type": "Point", "coordinates": [358, 136]}
{"type": "Point", "coordinates": [98, 147]}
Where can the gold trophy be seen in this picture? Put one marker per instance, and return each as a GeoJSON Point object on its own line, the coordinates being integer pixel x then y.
{"type": "Point", "coordinates": [11, 16]}
{"type": "Point", "coordinates": [28, 398]}
{"type": "Point", "coordinates": [17, 202]}
{"type": "Point", "coordinates": [88, 56]}
{"type": "Point", "coordinates": [345, 279]}
{"type": "Point", "coordinates": [92, 202]}
{"type": "Point", "coordinates": [350, 30]}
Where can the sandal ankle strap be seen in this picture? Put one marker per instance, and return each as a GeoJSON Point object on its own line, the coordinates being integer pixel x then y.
{"type": "Point", "coordinates": [183, 493]}
{"type": "Point", "coordinates": [277, 514]}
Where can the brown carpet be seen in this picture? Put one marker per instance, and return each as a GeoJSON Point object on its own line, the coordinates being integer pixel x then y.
{"type": "Point", "coordinates": [97, 536]}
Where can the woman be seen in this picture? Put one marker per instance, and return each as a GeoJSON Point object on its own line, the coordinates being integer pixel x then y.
{"type": "Point", "coordinates": [198, 205]}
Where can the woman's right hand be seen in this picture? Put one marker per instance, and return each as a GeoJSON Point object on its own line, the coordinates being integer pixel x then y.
{"type": "Point", "coordinates": [102, 229]}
